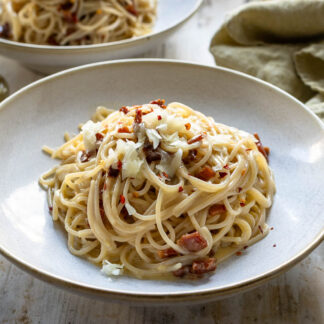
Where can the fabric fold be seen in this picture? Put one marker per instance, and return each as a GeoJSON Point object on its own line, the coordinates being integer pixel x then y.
{"type": "Point", "coordinates": [278, 41]}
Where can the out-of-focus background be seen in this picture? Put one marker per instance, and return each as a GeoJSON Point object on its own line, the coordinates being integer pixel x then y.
{"type": "Point", "coordinates": [294, 297]}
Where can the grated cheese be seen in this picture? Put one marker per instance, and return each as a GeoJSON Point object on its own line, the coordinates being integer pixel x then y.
{"type": "Point", "coordinates": [154, 137]}
{"type": "Point", "coordinates": [151, 120]}
{"type": "Point", "coordinates": [170, 164]}
{"type": "Point", "coordinates": [89, 131]}
{"type": "Point", "coordinates": [131, 162]}
{"type": "Point", "coordinates": [112, 269]}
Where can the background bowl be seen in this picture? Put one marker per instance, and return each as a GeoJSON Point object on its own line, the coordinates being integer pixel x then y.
{"type": "Point", "coordinates": [171, 14]}
{"type": "Point", "coordinates": [40, 113]}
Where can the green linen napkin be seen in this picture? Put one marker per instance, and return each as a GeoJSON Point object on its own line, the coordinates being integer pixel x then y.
{"type": "Point", "coordinates": [279, 41]}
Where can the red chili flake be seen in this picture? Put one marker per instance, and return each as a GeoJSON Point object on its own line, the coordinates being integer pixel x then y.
{"type": "Point", "coordinates": [85, 156]}
{"type": "Point", "coordinates": [180, 189]}
{"type": "Point", "coordinates": [112, 172]}
{"type": "Point", "coordinates": [50, 208]}
{"type": "Point", "coordinates": [226, 167]}
{"type": "Point", "coordinates": [206, 173]}
{"type": "Point", "coordinates": [238, 253]}
{"type": "Point", "coordinates": [216, 209]}
{"type": "Point", "coordinates": [188, 126]}
{"type": "Point", "coordinates": [256, 135]}
{"type": "Point", "coordinates": [203, 266]}
{"type": "Point", "coordinates": [242, 204]}
{"type": "Point", "coordinates": [123, 129]}
{"type": "Point", "coordinates": [131, 9]}
{"type": "Point", "coordinates": [105, 186]}
{"type": "Point", "coordinates": [159, 102]}
{"type": "Point", "coordinates": [239, 189]}
{"type": "Point", "coordinates": [159, 117]}
{"type": "Point", "coordinates": [274, 245]}
{"type": "Point", "coordinates": [222, 174]}
{"type": "Point", "coordinates": [193, 242]}
{"type": "Point", "coordinates": [260, 146]}
{"type": "Point", "coordinates": [122, 199]}
{"type": "Point", "coordinates": [196, 138]}
{"type": "Point", "coordinates": [124, 110]}
{"type": "Point", "coordinates": [119, 165]}
{"type": "Point", "coordinates": [245, 247]}
{"type": "Point", "coordinates": [271, 229]}
{"type": "Point", "coordinates": [167, 253]}
{"type": "Point", "coordinates": [138, 116]}
{"type": "Point", "coordinates": [260, 228]}
{"type": "Point", "coordinates": [165, 175]}
{"type": "Point", "coordinates": [267, 150]}
{"type": "Point", "coordinates": [99, 137]}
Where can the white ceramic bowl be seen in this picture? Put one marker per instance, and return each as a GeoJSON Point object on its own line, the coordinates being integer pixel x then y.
{"type": "Point", "coordinates": [40, 113]}
{"type": "Point", "coordinates": [171, 14]}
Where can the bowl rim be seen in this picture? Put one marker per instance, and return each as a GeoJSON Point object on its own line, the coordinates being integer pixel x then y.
{"type": "Point", "coordinates": [93, 47]}
{"type": "Point", "coordinates": [185, 295]}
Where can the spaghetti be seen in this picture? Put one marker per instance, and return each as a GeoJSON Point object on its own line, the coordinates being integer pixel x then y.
{"type": "Point", "coordinates": [75, 22]}
{"type": "Point", "coordinates": [157, 190]}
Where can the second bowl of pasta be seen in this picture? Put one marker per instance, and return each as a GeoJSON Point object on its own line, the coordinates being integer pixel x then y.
{"type": "Point", "coordinates": [48, 36]}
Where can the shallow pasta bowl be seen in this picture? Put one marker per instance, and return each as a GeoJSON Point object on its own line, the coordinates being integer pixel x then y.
{"type": "Point", "coordinates": [60, 102]}
{"type": "Point", "coordinates": [171, 14]}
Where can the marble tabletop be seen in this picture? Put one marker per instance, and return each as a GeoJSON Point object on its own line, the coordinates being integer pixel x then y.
{"type": "Point", "coordinates": [296, 296]}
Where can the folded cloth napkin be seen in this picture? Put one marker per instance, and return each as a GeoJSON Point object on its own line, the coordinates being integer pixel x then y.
{"type": "Point", "coordinates": [279, 41]}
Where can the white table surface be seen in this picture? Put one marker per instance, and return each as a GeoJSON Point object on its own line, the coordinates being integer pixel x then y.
{"type": "Point", "coordinates": [295, 297]}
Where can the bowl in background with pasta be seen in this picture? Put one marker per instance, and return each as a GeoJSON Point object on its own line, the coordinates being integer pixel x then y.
{"type": "Point", "coordinates": [49, 36]}
{"type": "Point", "coordinates": [157, 201]}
